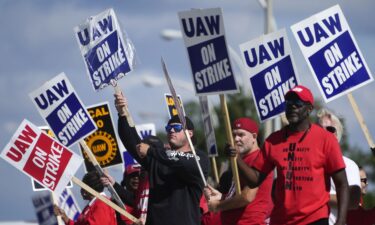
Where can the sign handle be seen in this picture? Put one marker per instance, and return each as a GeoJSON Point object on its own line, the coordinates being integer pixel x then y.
{"type": "Point", "coordinates": [228, 131]}
{"type": "Point", "coordinates": [54, 201]}
{"type": "Point", "coordinates": [361, 122]}
{"type": "Point", "coordinates": [96, 165]}
{"type": "Point", "coordinates": [124, 110]}
{"type": "Point", "coordinates": [195, 157]}
{"type": "Point", "coordinates": [182, 118]}
{"type": "Point", "coordinates": [214, 168]}
{"type": "Point", "coordinates": [103, 199]}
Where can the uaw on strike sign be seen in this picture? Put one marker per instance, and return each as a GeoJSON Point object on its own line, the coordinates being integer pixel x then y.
{"type": "Point", "coordinates": [271, 71]}
{"type": "Point", "coordinates": [62, 109]}
{"type": "Point", "coordinates": [41, 157]}
{"type": "Point", "coordinates": [203, 32]}
{"type": "Point", "coordinates": [106, 54]}
{"type": "Point", "coordinates": [103, 142]}
{"type": "Point", "coordinates": [332, 53]}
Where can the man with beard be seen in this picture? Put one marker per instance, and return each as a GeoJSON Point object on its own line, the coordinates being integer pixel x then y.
{"type": "Point", "coordinates": [253, 205]}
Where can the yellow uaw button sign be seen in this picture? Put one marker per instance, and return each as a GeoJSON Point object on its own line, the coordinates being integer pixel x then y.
{"type": "Point", "coordinates": [104, 147]}
{"type": "Point", "coordinates": [102, 143]}
{"type": "Point", "coordinates": [171, 107]}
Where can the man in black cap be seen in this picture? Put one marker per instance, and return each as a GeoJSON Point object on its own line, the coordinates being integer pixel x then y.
{"type": "Point", "coordinates": [175, 182]}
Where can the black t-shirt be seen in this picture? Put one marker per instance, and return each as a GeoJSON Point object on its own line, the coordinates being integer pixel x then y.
{"type": "Point", "coordinates": [175, 182]}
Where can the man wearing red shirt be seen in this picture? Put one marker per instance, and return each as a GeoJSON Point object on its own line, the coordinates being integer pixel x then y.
{"type": "Point", "coordinates": [305, 156]}
{"type": "Point", "coordinates": [253, 205]}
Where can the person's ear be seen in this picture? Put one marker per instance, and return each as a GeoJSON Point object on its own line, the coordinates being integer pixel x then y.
{"type": "Point", "coordinates": [191, 133]}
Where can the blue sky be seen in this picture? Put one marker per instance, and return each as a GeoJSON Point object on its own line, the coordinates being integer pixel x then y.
{"type": "Point", "coordinates": [37, 43]}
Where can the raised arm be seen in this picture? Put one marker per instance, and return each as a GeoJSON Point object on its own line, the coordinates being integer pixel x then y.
{"type": "Point", "coordinates": [128, 134]}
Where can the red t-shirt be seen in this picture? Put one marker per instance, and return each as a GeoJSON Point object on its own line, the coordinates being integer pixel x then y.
{"type": "Point", "coordinates": [304, 161]}
{"type": "Point", "coordinates": [96, 213]}
{"type": "Point", "coordinates": [141, 198]}
{"type": "Point", "coordinates": [259, 209]}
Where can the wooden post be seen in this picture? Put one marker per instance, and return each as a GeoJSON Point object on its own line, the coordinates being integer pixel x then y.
{"type": "Point", "coordinates": [96, 165]}
{"type": "Point", "coordinates": [104, 199]}
{"type": "Point", "coordinates": [361, 122]}
{"type": "Point", "coordinates": [228, 130]}
{"type": "Point", "coordinates": [214, 169]}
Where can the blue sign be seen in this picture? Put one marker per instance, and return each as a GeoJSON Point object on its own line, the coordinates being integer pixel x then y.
{"type": "Point", "coordinates": [107, 56]}
{"type": "Point", "coordinates": [70, 121]}
{"type": "Point", "coordinates": [332, 53]}
{"type": "Point", "coordinates": [203, 32]}
{"type": "Point", "coordinates": [270, 67]}
{"type": "Point", "coordinates": [62, 109]}
{"type": "Point", "coordinates": [270, 101]}
{"type": "Point", "coordinates": [106, 61]}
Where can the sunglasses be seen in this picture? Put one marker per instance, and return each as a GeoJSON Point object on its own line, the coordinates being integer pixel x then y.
{"type": "Point", "coordinates": [176, 127]}
{"type": "Point", "coordinates": [364, 180]}
{"type": "Point", "coordinates": [331, 129]}
{"type": "Point", "coordinates": [296, 102]}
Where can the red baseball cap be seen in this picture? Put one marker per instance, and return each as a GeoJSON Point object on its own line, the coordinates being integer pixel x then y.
{"type": "Point", "coordinates": [134, 168]}
{"type": "Point", "coordinates": [302, 92]}
{"type": "Point", "coordinates": [246, 124]}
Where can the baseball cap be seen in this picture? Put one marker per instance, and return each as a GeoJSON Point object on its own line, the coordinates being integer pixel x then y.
{"type": "Point", "coordinates": [302, 92]}
{"type": "Point", "coordinates": [133, 168]}
{"type": "Point", "coordinates": [246, 124]}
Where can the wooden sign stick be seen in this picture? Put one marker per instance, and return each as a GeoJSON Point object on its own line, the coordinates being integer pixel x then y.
{"type": "Point", "coordinates": [96, 165]}
{"type": "Point", "coordinates": [228, 130]}
{"type": "Point", "coordinates": [361, 122]}
{"type": "Point", "coordinates": [104, 199]}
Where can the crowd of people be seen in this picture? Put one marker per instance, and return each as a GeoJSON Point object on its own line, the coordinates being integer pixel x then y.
{"type": "Point", "coordinates": [298, 176]}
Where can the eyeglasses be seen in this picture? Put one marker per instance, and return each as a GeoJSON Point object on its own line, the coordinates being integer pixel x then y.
{"type": "Point", "coordinates": [331, 129]}
{"type": "Point", "coordinates": [176, 127]}
{"type": "Point", "coordinates": [364, 180]}
{"type": "Point", "coordinates": [296, 102]}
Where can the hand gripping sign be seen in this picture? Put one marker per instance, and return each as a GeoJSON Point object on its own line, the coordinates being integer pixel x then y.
{"type": "Point", "coordinates": [62, 109]}
{"type": "Point", "coordinates": [271, 70]}
{"type": "Point", "coordinates": [333, 56]}
{"type": "Point", "coordinates": [41, 157]}
{"type": "Point", "coordinates": [203, 32]}
{"type": "Point", "coordinates": [106, 54]}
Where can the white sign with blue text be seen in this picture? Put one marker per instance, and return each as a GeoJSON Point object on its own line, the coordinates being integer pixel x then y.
{"type": "Point", "coordinates": [271, 70]}
{"type": "Point", "coordinates": [103, 48]}
{"type": "Point", "coordinates": [332, 53]}
{"type": "Point", "coordinates": [63, 111]}
{"type": "Point", "coordinates": [203, 32]}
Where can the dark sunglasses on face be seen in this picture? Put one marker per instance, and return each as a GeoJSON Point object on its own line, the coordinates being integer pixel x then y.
{"type": "Point", "coordinates": [296, 102]}
{"type": "Point", "coordinates": [364, 180]}
{"type": "Point", "coordinates": [176, 127]}
{"type": "Point", "coordinates": [331, 129]}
